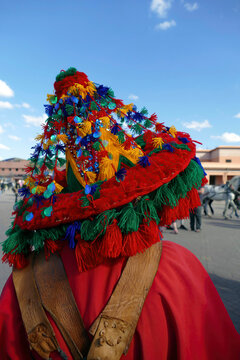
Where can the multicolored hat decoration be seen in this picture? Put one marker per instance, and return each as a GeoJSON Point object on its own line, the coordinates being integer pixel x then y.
{"type": "Point", "coordinates": [125, 175]}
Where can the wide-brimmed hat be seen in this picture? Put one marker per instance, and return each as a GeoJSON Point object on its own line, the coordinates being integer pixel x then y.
{"type": "Point", "coordinates": [126, 174]}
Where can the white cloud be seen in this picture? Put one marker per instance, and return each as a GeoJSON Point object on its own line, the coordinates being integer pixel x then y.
{"type": "Point", "coordinates": [228, 137]}
{"type": "Point", "coordinates": [1, 129]}
{"type": "Point", "coordinates": [4, 147]}
{"type": "Point", "coordinates": [133, 97]}
{"type": "Point", "coordinates": [14, 137]}
{"type": "Point", "coordinates": [5, 90]}
{"type": "Point", "coordinates": [161, 7]}
{"type": "Point", "coordinates": [34, 120]}
{"type": "Point", "coordinates": [8, 105]}
{"type": "Point", "coordinates": [166, 25]}
{"type": "Point", "coordinates": [23, 105]}
{"type": "Point", "coordinates": [9, 125]}
{"type": "Point", "coordinates": [5, 105]}
{"type": "Point", "coordinates": [196, 125]}
{"type": "Point", "coordinates": [237, 116]}
{"type": "Point", "coordinates": [191, 7]}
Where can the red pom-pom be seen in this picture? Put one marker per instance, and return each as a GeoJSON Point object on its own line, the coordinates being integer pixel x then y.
{"type": "Point", "coordinates": [19, 261]}
{"type": "Point", "coordinates": [153, 118]}
{"type": "Point", "coordinates": [111, 242]}
{"type": "Point", "coordinates": [159, 127]}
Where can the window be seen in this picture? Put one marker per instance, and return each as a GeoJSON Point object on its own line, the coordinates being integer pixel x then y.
{"type": "Point", "coordinates": [3, 169]}
{"type": "Point", "coordinates": [16, 169]}
{"type": "Point", "coordinates": [10, 169]}
{"type": "Point", "coordinates": [228, 160]}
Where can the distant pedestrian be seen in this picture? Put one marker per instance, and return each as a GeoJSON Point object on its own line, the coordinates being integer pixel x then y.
{"type": "Point", "coordinates": [196, 214]}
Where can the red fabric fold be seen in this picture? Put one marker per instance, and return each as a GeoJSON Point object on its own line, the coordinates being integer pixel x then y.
{"type": "Point", "coordinates": [183, 317]}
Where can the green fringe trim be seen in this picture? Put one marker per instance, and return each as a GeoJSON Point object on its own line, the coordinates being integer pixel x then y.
{"type": "Point", "coordinates": [129, 217]}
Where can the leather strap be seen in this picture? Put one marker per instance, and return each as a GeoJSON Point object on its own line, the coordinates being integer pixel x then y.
{"type": "Point", "coordinates": [44, 285]}
{"type": "Point", "coordinates": [114, 328]}
{"type": "Point", "coordinates": [57, 298]}
{"type": "Point", "coordinates": [40, 334]}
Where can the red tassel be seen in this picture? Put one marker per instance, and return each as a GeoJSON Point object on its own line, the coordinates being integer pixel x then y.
{"type": "Point", "coordinates": [139, 241]}
{"type": "Point", "coordinates": [111, 242]}
{"type": "Point", "coordinates": [19, 261]}
{"type": "Point", "coordinates": [181, 211]}
{"type": "Point", "coordinates": [127, 143]}
{"type": "Point", "coordinates": [159, 127]}
{"type": "Point", "coordinates": [87, 254]}
{"type": "Point", "coordinates": [50, 247]}
{"type": "Point", "coordinates": [153, 118]}
{"type": "Point", "coordinates": [204, 181]}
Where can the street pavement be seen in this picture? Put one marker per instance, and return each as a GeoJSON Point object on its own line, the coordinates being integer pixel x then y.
{"type": "Point", "coordinates": [217, 246]}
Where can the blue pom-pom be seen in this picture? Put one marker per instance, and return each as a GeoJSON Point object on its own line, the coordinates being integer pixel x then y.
{"type": "Point", "coordinates": [70, 233]}
{"type": "Point", "coordinates": [144, 161]}
{"type": "Point", "coordinates": [48, 110]}
{"type": "Point", "coordinates": [25, 192]}
{"type": "Point", "coordinates": [184, 140]}
{"type": "Point", "coordinates": [120, 174]}
{"type": "Point", "coordinates": [39, 200]}
{"type": "Point", "coordinates": [167, 147]}
{"type": "Point", "coordinates": [60, 147]}
{"type": "Point", "coordinates": [102, 90]}
{"type": "Point", "coordinates": [115, 129]}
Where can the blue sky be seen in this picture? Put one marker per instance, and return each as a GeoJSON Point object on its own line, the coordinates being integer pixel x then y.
{"type": "Point", "coordinates": [179, 58]}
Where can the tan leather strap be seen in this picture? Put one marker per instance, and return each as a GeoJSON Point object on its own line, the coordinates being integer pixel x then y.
{"type": "Point", "coordinates": [114, 328]}
{"type": "Point", "coordinates": [57, 298]}
{"type": "Point", "coordinates": [40, 334]}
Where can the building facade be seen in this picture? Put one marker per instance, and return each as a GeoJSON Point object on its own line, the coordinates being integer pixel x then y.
{"type": "Point", "coordinates": [12, 169]}
{"type": "Point", "coordinates": [221, 163]}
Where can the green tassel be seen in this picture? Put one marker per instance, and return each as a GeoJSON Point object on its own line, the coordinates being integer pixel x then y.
{"type": "Point", "coordinates": [128, 219]}
{"type": "Point", "coordinates": [93, 106]}
{"type": "Point", "coordinates": [96, 146]}
{"type": "Point", "coordinates": [110, 92]}
{"type": "Point", "coordinates": [148, 123]}
{"type": "Point", "coordinates": [144, 111]}
{"type": "Point", "coordinates": [139, 140]}
{"type": "Point", "coordinates": [180, 146]}
{"type": "Point", "coordinates": [69, 109]}
{"type": "Point", "coordinates": [121, 137]}
{"type": "Point", "coordinates": [146, 209]}
{"type": "Point", "coordinates": [91, 229]}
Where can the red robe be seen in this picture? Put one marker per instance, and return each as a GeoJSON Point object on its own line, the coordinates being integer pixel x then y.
{"type": "Point", "coordinates": [183, 317]}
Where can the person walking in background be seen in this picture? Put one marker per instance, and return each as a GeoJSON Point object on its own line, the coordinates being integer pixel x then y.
{"type": "Point", "coordinates": [196, 214]}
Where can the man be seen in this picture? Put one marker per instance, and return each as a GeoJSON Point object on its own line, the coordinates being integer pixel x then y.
{"type": "Point", "coordinates": [116, 290]}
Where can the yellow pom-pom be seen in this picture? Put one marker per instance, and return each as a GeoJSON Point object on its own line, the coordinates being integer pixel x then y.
{"type": "Point", "coordinates": [63, 97]}
{"type": "Point", "coordinates": [172, 131]}
{"type": "Point", "coordinates": [40, 189]}
{"type": "Point", "coordinates": [58, 187]}
{"type": "Point", "coordinates": [125, 109]}
{"type": "Point", "coordinates": [85, 128]}
{"type": "Point", "coordinates": [28, 181]}
{"type": "Point", "coordinates": [91, 177]}
{"type": "Point", "coordinates": [158, 142]}
{"type": "Point", "coordinates": [63, 138]}
{"type": "Point", "coordinates": [105, 121]}
{"type": "Point", "coordinates": [134, 154]}
{"type": "Point", "coordinates": [90, 88]}
{"type": "Point", "coordinates": [39, 137]}
{"type": "Point", "coordinates": [106, 170]}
